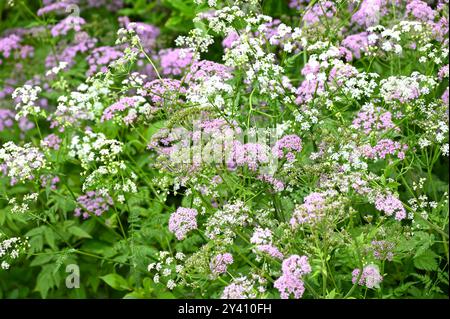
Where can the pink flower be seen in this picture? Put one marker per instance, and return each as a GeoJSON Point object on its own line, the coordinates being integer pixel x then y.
{"type": "Point", "coordinates": [182, 221]}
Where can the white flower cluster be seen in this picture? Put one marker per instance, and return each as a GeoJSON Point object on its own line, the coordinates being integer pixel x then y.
{"type": "Point", "coordinates": [434, 124]}
{"type": "Point", "coordinates": [23, 207]}
{"type": "Point", "coordinates": [198, 40]}
{"type": "Point", "coordinates": [94, 148]}
{"type": "Point", "coordinates": [223, 223]}
{"type": "Point", "coordinates": [10, 249]}
{"type": "Point", "coordinates": [359, 86]}
{"type": "Point", "coordinates": [209, 92]}
{"type": "Point", "coordinates": [82, 104]}
{"type": "Point", "coordinates": [213, 3]}
{"type": "Point", "coordinates": [21, 162]}
{"type": "Point", "coordinates": [431, 53]}
{"type": "Point", "coordinates": [245, 287]}
{"type": "Point", "coordinates": [248, 53]}
{"type": "Point", "coordinates": [403, 88]}
{"type": "Point", "coordinates": [27, 96]}
{"type": "Point", "coordinates": [389, 40]}
{"type": "Point", "coordinates": [168, 269]}
{"type": "Point", "coordinates": [56, 69]}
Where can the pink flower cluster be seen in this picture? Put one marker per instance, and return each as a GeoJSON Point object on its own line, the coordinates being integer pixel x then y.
{"type": "Point", "coordinates": [262, 239]}
{"type": "Point", "coordinates": [51, 141]}
{"type": "Point", "coordinates": [204, 69]}
{"type": "Point", "coordinates": [147, 33]}
{"type": "Point", "coordinates": [123, 104]}
{"type": "Point", "coordinates": [311, 210]}
{"type": "Point", "coordinates": [6, 119]}
{"type": "Point", "coordinates": [220, 263]}
{"type": "Point", "coordinates": [286, 146]}
{"type": "Point", "coordinates": [277, 184]}
{"type": "Point", "coordinates": [327, 9]}
{"type": "Point", "coordinates": [382, 249]}
{"type": "Point", "coordinates": [357, 43]}
{"type": "Point", "coordinates": [370, 12]}
{"type": "Point", "coordinates": [312, 85]}
{"type": "Point", "coordinates": [420, 10]}
{"type": "Point", "coordinates": [371, 118]}
{"type": "Point", "coordinates": [175, 61]}
{"type": "Point", "coordinates": [82, 43]}
{"type": "Point", "coordinates": [290, 282]}
{"type": "Point", "coordinates": [390, 205]}
{"type": "Point", "coordinates": [182, 221]}
{"type": "Point", "coordinates": [370, 277]}
{"type": "Point", "coordinates": [383, 148]}
{"type": "Point", "coordinates": [66, 25]}
{"type": "Point", "coordinates": [251, 155]}
{"type": "Point", "coordinates": [51, 181]}
{"type": "Point", "coordinates": [100, 58]}
{"type": "Point", "coordinates": [11, 46]}
{"type": "Point", "coordinates": [163, 90]}
{"type": "Point", "coordinates": [93, 202]}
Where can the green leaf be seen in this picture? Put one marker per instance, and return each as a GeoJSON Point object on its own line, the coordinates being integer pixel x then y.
{"type": "Point", "coordinates": [41, 260]}
{"type": "Point", "coordinates": [79, 232]}
{"type": "Point", "coordinates": [116, 281]}
{"type": "Point", "coordinates": [49, 236]}
{"type": "Point", "coordinates": [426, 261]}
{"type": "Point", "coordinates": [45, 281]}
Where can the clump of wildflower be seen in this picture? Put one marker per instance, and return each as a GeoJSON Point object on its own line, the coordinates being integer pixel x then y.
{"type": "Point", "coordinates": [383, 148]}
{"type": "Point", "coordinates": [220, 262]}
{"type": "Point", "coordinates": [49, 181]}
{"type": "Point", "coordinates": [168, 269]}
{"type": "Point", "coordinates": [24, 206]}
{"type": "Point", "coordinates": [100, 58]}
{"type": "Point", "coordinates": [7, 118]}
{"type": "Point", "coordinates": [26, 97]}
{"type": "Point", "coordinates": [405, 89]}
{"type": "Point", "coordinates": [175, 61]}
{"type": "Point", "coordinates": [313, 209]}
{"type": "Point", "coordinates": [290, 282]}
{"type": "Point", "coordinates": [21, 163]}
{"type": "Point", "coordinates": [420, 10]}
{"type": "Point", "coordinates": [126, 110]}
{"type": "Point", "coordinates": [262, 239]}
{"type": "Point", "coordinates": [382, 249]}
{"type": "Point", "coordinates": [93, 202]}
{"type": "Point", "coordinates": [147, 33]}
{"type": "Point", "coordinates": [370, 12]}
{"type": "Point", "coordinates": [163, 92]}
{"type": "Point", "coordinates": [370, 277]}
{"type": "Point", "coordinates": [252, 155]}
{"type": "Point", "coordinates": [94, 148]}
{"type": "Point", "coordinates": [358, 44]}
{"type": "Point", "coordinates": [371, 118]}
{"type": "Point", "coordinates": [222, 224]}
{"type": "Point", "coordinates": [182, 221]}
{"type": "Point", "coordinates": [11, 249]}
{"type": "Point", "coordinates": [67, 24]}
{"type": "Point", "coordinates": [51, 141]}
{"type": "Point", "coordinates": [11, 47]}
{"type": "Point", "coordinates": [287, 146]}
{"type": "Point", "coordinates": [277, 184]}
{"type": "Point", "coordinates": [325, 9]}
{"type": "Point", "coordinates": [390, 205]}
{"type": "Point", "coordinates": [244, 288]}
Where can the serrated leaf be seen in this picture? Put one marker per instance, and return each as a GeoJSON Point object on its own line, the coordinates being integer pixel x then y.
{"type": "Point", "coordinates": [426, 261]}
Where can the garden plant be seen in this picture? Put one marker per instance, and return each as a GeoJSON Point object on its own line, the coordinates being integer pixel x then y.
{"type": "Point", "coordinates": [224, 149]}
